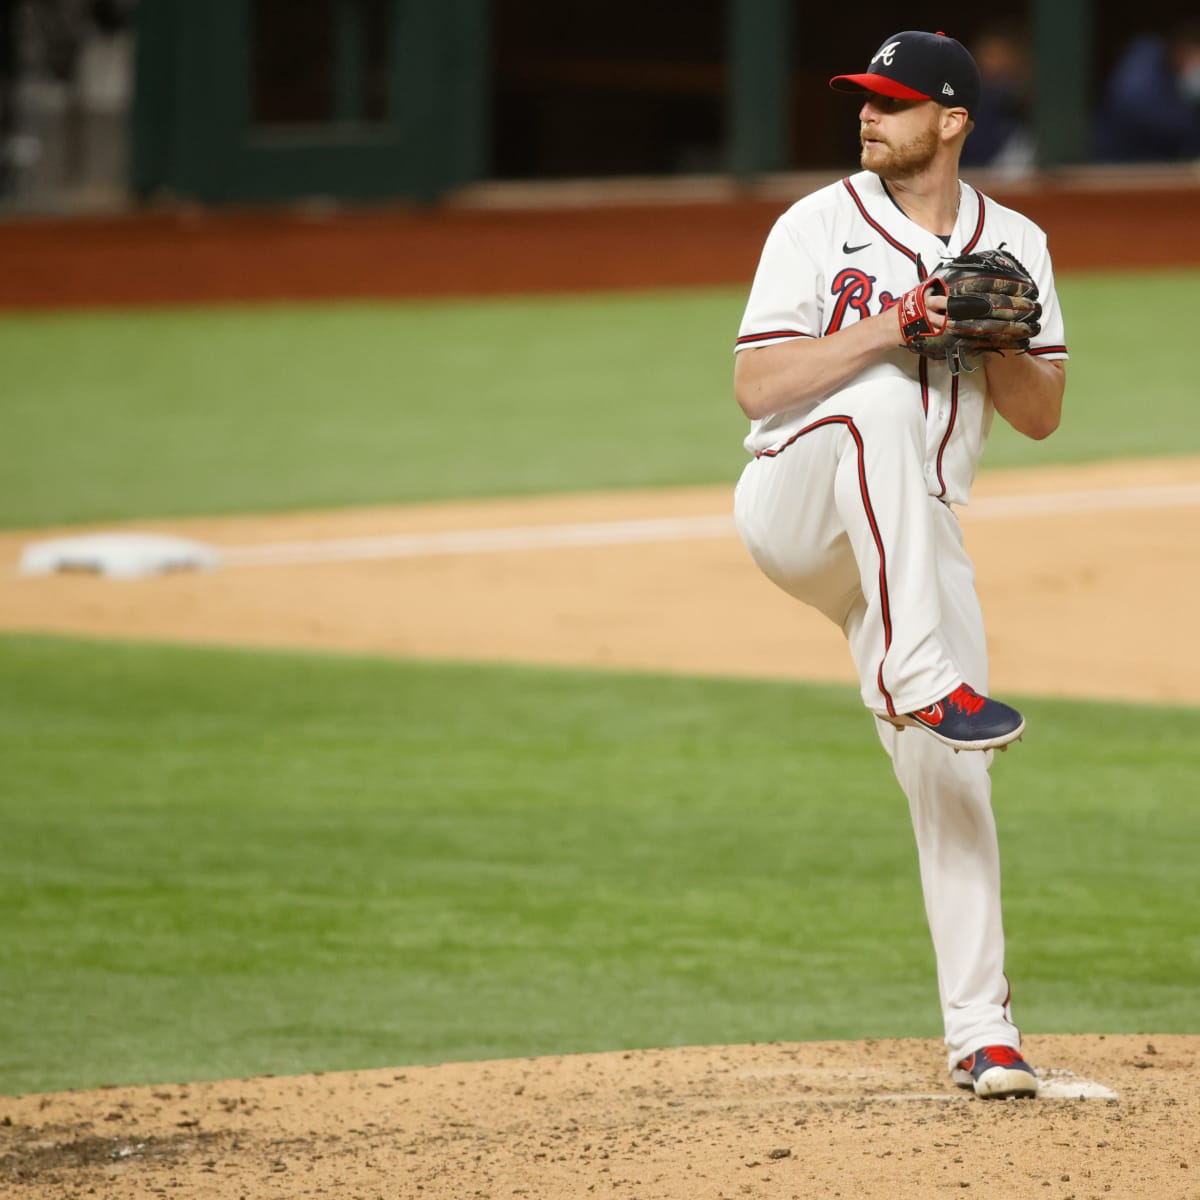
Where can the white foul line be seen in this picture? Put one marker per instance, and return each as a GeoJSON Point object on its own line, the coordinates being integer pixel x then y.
{"type": "Point", "coordinates": [660, 529]}
{"type": "Point", "coordinates": [1167, 495]}
{"type": "Point", "coordinates": [483, 541]}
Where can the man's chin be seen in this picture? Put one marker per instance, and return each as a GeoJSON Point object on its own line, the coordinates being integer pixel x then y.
{"type": "Point", "coordinates": [875, 158]}
{"type": "Point", "coordinates": [884, 165]}
{"type": "Point", "coordinates": [892, 163]}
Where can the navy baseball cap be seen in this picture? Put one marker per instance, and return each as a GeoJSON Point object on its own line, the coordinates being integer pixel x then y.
{"type": "Point", "coordinates": [919, 66]}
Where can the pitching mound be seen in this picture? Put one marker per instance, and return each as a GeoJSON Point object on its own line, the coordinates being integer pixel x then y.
{"type": "Point", "coordinates": [1117, 1117]}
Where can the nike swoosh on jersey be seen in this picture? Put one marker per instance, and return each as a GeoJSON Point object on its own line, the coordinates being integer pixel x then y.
{"type": "Point", "coordinates": [849, 249]}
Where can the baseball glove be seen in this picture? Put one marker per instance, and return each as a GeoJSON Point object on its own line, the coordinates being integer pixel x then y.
{"type": "Point", "coordinates": [992, 305]}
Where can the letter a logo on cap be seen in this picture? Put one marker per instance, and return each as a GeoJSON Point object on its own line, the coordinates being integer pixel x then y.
{"type": "Point", "coordinates": [887, 53]}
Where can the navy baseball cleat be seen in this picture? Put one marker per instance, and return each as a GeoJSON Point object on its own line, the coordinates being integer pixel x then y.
{"type": "Point", "coordinates": [966, 720]}
{"type": "Point", "coordinates": [996, 1073]}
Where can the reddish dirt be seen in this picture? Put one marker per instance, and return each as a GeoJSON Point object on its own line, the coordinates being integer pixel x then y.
{"type": "Point", "coordinates": [196, 256]}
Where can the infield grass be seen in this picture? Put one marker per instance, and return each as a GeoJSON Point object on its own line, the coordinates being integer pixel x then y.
{"type": "Point", "coordinates": [221, 863]}
{"type": "Point", "coordinates": [188, 412]}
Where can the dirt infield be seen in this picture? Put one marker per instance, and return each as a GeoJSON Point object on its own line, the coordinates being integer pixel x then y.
{"type": "Point", "coordinates": [1117, 1118]}
{"type": "Point", "coordinates": [1067, 561]}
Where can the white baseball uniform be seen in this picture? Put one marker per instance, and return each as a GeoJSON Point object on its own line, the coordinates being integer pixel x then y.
{"type": "Point", "coordinates": [847, 506]}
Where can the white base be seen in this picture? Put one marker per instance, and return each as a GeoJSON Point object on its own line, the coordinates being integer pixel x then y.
{"type": "Point", "coordinates": [118, 555]}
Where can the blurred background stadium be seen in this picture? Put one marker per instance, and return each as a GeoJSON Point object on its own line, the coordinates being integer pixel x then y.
{"type": "Point", "coordinates": [109, 104]}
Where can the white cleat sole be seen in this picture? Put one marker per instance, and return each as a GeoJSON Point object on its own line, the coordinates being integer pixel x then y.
{"type": "Point", "coordinates": [1002, 1083]}
{"type": "Point", "coordinates": [999, 1083]}
{"type": "Point", "coordinates": [1002, 742]}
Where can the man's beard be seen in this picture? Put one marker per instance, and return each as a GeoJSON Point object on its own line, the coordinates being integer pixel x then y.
{"type": "Point", "coordinates": [901, 162]}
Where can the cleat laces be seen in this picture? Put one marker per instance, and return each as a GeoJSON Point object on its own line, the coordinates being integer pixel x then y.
{"type": "Point", "coordinates": [965, 698]}
{"type": "Point", "coordinates": [1003, 1056]}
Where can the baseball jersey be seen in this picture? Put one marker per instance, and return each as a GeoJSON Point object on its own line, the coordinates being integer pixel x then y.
{"type": "Point", "coordinates": [847, 252]}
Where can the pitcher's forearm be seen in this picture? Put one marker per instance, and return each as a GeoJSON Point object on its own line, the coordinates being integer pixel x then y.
{"type": "Point", "coordinates": [772, 379]}
{"type": "Point", "coordinates": [1027, 392]}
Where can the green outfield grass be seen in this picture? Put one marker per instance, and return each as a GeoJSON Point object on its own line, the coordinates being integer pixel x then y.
{"type": "Point", "coordinates": [136, 414]}
{"type": "Point", "coordinates": [222, 863]}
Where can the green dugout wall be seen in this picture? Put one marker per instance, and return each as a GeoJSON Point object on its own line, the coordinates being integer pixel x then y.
{"type": "Point", "coordinates": [404, 96]}
{"type": "Point", "coordinates": [198, 132]}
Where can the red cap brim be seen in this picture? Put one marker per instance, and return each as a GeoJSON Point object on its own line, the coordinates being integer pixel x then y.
{"type": "Point", "coordinates": [876, 83]}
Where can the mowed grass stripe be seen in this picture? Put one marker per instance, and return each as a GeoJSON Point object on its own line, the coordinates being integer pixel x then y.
{"type": "Point", "coordinates": [174, 413]}
{"type": "Point", "coordinates": [221, 863]}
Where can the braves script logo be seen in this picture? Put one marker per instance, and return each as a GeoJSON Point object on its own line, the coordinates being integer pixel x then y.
{"type": "Point", "coordinates": [853, 289]}
{"type": "Point", "coordinates": [887, 53]}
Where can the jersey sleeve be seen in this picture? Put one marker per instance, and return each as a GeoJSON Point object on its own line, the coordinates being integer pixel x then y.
{"type": "Point", "coordinates": [1051, 342]}
{"type": "Point", "coordinates": [784, 297]}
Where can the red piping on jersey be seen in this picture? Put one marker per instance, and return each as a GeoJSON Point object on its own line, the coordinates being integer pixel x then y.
{"type": "Point", "coordinates": [1048, 350]}
{"type": "Point", "coordinates": [887, 237]}
{"type": "Point", "coordinates": [746, 339]}
{"type": "Point", "coordinates": [978, 228]}
{"type": "Point", "coordinates": [885, 602]}
{"type": "Point", "coordinates": [923, 375]}
{"type": "Point", "coordinates": [949, 431]}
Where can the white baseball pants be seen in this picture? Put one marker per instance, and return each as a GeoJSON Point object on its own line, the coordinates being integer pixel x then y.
{"type": "Point", "coordinates": [840, 516]}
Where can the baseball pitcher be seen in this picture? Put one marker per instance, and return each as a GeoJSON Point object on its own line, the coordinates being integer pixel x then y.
{"type": "Point", "coordinates": [893, 314]}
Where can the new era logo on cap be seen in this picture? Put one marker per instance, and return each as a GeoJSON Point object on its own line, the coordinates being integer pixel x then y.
{"type": "Point", "coordinates": [919, 66]}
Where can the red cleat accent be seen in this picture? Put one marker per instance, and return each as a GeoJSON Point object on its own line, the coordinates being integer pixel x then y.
{"type": "Point", "coordinates": [1003, 1056]}
{"type": "Point", "coordinates": [966, 698]}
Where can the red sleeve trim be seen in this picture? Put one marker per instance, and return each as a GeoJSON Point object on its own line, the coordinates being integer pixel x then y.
{"type": "Point", "coordinates": [1048, 350]}
{"type": "Point", "coordinates": [750, 338]}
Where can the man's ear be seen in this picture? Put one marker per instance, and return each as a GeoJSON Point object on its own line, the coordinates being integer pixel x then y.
{"type": "Point", "coordinates": [955, 121]}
